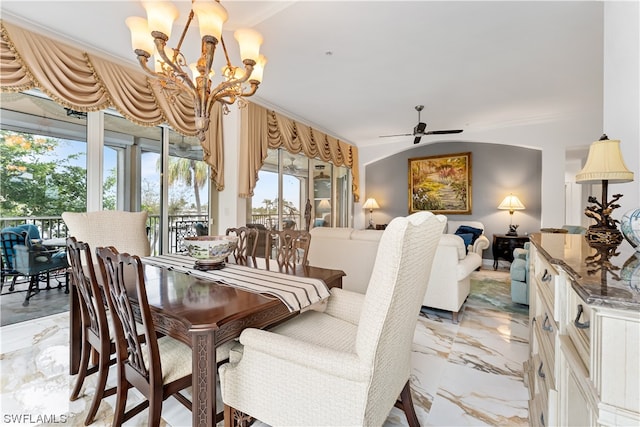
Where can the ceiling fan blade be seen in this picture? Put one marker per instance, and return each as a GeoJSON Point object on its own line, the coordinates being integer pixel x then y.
{"type": "Point", "coordinates": [401, 134]}
{"type": "Point", "coordinates": [442, 132]}
{"type": "Point", "coordinates": [417, 139]}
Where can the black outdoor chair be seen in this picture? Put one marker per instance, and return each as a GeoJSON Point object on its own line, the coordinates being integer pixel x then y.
{"type": "Point", "coordinates": [24, 255]}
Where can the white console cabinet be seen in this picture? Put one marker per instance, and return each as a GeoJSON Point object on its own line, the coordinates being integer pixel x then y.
{"type": "Point", "coordinates": [584, 312]}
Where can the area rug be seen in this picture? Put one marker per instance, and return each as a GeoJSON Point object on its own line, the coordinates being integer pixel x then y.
{"type": "Point", "coordinates": [492, 293]}
{"type": "Point", "coordinates": [489, 291]}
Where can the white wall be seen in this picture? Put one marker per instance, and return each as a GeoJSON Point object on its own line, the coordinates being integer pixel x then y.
{"type": "Point", "coordinates": [621, 115]}
{"type": "Point", "coordinates": [230, 210]}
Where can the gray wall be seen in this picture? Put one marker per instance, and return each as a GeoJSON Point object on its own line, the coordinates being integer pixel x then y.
{"type": "Point", "coordinates": [496, 170]}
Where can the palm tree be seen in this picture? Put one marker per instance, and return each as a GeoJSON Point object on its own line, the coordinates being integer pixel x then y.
{"type": "Point", "coordinates": [190, 172]}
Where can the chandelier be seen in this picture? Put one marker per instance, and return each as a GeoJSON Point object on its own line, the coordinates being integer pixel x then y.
{"type": "Point", "coordinates": [170, 68]}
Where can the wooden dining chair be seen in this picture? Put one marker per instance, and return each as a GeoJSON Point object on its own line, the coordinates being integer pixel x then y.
{"type": "Point", "coordinates": [290, 248]}
{"type": "Point", "coordinates": [159, 367]}
{"type": "Point", "coordinates": [96, 336]}
{"type": "Point", "coordinates": [247, 244]}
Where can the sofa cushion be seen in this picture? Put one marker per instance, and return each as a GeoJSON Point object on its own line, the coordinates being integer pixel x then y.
{"type": "Point", "coordinates": [455, 241]}
{"type": "Point", "coordinates": [518, 270]}
{"type": "Point", "coordinates": [346, 249]}
{"type": "Point", "coordinates": [466, 229]}
{"type": "Point", "coordinates": [331, 232]}
{"type": "Point", "coordinates": [369, 235]}
{"type": "Point", "coordinates": [468, 265]}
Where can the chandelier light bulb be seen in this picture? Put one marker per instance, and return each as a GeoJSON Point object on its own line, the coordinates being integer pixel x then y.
{"type": "Point", "coordinates": [160, 16]}
{"type": "Point", "coordinates": [170, 68]}
{"type": "Point", "coordinates": [140, 34]}
{"type": "Point", "coordinates": [211, 16]}
{"type": "Point", "coordinates": [258, 69]}
{"type": "Point", "coordinates": [249, 41]}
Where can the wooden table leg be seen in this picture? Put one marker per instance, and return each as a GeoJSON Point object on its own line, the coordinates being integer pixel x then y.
{"type": "Point", "coordinates": [75, 331]}
{"type": "Point", "coordinates": [204, 378]}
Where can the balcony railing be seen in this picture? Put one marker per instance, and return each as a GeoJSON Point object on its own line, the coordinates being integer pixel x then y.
{"type": "Point", "coordinates": [180, 226]}
{"type": "Point", "coordinates": [271, 221]}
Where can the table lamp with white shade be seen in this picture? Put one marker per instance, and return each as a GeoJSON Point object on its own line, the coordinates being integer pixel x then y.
{"type": "Point", "coordinates": [371, 204]}
{"type": "Point", "coordinates": [604, 165]}
{"type": "Point", "coordinates": [511, 203]}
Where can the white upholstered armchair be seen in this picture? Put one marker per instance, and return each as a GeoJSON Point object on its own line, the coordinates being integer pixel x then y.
{"type": "Point", "coordinates": [349, 364]}
{"type": "Point", "coordinates": [480, 243]}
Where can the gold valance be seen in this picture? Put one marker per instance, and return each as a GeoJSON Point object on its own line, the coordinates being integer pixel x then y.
{"type": "Point", "coordinates": [263, 129]}
{"type": "Point", "coordinates": [85, 82]}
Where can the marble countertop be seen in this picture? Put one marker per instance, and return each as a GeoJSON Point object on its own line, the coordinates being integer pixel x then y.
{"type": "Point", "coordinates": [601, 276]}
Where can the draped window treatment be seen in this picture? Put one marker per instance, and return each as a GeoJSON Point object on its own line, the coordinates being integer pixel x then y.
{"type": "Point", "coordinates": [262, 129]}
{"type": "Point", "coordinates": [85, 82]}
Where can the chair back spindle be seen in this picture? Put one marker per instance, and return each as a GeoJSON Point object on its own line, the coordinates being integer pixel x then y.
{"type": "Point", "coordinates": [291, 248]}
{"type": "Point", "coordinates": [96, 334]}
{"type": "Point", "coordinates": [246, 246]}
{"type": "Point", "coordinates": [83, 276]}
{"type": "Point", "coordinates": [129, 346]}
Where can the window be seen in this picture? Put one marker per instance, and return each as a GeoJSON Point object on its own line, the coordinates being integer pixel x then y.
{"type": "Point", "coordinates": [42, 161]}
{"type": "Point", "coordinates": [285, 183]}
{"type": "Point", "coordinates": [46, 169]}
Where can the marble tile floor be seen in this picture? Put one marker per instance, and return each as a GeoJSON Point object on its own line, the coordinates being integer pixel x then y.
{"type": "Point", "coordinates": [466, 374]}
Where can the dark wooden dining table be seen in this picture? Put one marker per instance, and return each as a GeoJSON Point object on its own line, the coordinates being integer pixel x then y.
{"type": "Point", "coordinates": [203, 314]}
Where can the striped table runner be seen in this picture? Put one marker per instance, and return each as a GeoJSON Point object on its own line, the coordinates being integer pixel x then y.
{"type": "Point", "coordinates": [296, 292]}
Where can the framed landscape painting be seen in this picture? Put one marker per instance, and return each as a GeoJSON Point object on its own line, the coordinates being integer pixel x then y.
{"type": "Point", "coordinates": [440, 184]}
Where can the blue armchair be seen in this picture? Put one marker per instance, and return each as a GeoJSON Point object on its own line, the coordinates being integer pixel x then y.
{"type": "Point", "coordinates": [24, 255]}
{"type": "Point", "coordinates": [519, 272]}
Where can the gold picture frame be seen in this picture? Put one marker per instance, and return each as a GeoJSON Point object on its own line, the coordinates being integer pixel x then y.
{"type": "Point", "coordinates": [440, 184]}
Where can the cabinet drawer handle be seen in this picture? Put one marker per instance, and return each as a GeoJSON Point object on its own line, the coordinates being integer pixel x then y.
{"type": "Point", "coordinates": [546, 326]}
{"type": "Point", "coordinates": [542, 418]}
{"type": "Point", "coordinates": [546, 277]}
{"type": "Point", "coordinates": [540, 373]}
{"type": "Point", "coordinates": [577, 322]}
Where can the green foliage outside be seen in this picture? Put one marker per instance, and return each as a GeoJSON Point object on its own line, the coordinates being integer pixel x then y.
{"type": "Point", "coordinates": [270, 207]}
{"type": "Point", "coordinates": [190, 172]}
{"type": "Point", "coordinates": [33, 182]}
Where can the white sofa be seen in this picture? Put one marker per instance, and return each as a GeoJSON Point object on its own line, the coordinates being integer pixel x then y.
{"type": "Point", "coordinates": [347, 249]}
{"type": "Point", "coordinates": [354, 251]}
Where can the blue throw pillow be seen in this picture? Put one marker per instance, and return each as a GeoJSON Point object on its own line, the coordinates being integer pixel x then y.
{"type": "Point", "coordinates": [468, 239]}
{"type": "Point", "coordinates": [466, 229]}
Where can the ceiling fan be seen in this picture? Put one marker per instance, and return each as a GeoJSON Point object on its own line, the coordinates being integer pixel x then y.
{"type": "Point", "coordinates": [419, 129]}
{"type": "Point", "coordinates": [292, 168]}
